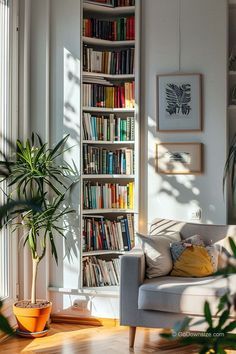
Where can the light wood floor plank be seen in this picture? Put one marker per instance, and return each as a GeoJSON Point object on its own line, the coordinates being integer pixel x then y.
{"type": "Point", "coordinates": [73, 339]}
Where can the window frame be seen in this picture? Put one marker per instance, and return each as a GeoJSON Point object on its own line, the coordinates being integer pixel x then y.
{"type": "Point", "coordinates": [10, 130]}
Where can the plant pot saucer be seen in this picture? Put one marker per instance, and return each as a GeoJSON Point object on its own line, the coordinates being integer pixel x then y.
{"type": "Point", "coordinates": [32, 334]}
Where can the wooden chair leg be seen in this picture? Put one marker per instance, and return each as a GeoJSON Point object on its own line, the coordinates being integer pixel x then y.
{"type": "Point", "coordinates": [132, 332]}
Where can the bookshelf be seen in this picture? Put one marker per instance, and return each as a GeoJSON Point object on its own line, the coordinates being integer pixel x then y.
{"type": "Point", "coordinates": [109, 141]}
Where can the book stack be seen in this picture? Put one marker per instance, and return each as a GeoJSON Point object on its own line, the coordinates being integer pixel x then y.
{"type": "Point", "coordinates": [108, 128]}
{"type": "Point", "coordinates": [108, 195]}
{"type": "Point", "coordinates": [100, 233]}
{"type": "Point", "coordinates": [117, 62]}
{"type": "Point", "coordinates": [120, 29]}
{"type": "Point", "coordinates": [97, 160]}
{"type": "Point", "coordinates": [96, 95]}
{"type": "Point", "coordinates": [98, 272]}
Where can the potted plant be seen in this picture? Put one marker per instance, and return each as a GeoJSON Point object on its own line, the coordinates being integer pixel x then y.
{"type": "Point", "coordinates": [38, 173]}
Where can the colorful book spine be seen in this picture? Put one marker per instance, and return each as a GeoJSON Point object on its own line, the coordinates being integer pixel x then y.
{"type": "Point", "coordinates": [100, 233]}
{"type": "Point", "coordinates": [104, 196]}
{"type": "Point", "coordinates": [120, 29]}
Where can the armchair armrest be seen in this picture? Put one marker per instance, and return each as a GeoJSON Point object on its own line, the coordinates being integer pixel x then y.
{"type": "Point", "coordinates": [131, 277]}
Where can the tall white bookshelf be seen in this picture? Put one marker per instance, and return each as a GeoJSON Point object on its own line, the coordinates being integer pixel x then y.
{"type": "Point", "coordinates": [93, 10]}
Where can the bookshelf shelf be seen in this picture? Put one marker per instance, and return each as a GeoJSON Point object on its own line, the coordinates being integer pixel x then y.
{"type": "Point", "coordinates": [106, 43]}
{"type": "Point", "coordinates": [108, 110]}
{"type": "Point", "coordinates": [232, 73]}
{"type": "Point", "coordinates": [98, 289]}
{"type": "Point", "coordinates": [107, 211]}
{"type": "Point", "coordinates": [101, 9]}
{"type": "Point", "coordinates": [87, 74]}
{"type": "Point", "coordinates": [101, 142]}
{"type": "Point", "coordinates": [105, 291]}
{"type": "Point", "coordinates": [99, 176]}
{"type": "Point", "coordinates": [112, 228]}
{"type": "Point", "coordinates": [102, 252]}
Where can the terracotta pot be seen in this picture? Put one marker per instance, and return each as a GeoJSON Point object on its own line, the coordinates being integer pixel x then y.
{"type": "Point", "coordinates": [32, 319]}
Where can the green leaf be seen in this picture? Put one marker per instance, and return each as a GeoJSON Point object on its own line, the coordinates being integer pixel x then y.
{"type": "Point", "coordinates": [204, 350]}
{"type": "Point", "coordinates": [223, 301]}
{"type": "Point", "coordinates": [53, 247]}
{"type": "Point", "coordinates": [221, 351]}
{"type": "Point", "coordinates": [5, 326]}
{"type": "Point", "coordinates": [58, 146]}
{"type": "Point", "coordinates": [223, 318]}
{"type": "Point", "coordinates": [230, 327]}
{"type": "Point", "coordinates": [233, 246]}
{"type": "Point", "coordinates": [207, 313]}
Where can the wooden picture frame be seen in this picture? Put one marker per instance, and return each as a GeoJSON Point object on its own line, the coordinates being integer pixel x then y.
{"type": "Point", "coordinates": [179, 102]}
{"type": "Point", "coordinates": [179, 158]}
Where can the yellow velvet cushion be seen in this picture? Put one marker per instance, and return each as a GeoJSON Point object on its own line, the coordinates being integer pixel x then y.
{"type": "Point", "coordinates": [193, 262]}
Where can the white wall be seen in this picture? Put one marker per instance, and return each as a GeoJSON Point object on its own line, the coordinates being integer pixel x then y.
{"type": "Point", "coordinates": [203, 25]}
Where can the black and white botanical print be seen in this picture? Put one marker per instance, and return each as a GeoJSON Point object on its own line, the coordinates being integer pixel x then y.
{"type": "Point", "coordinates": [178, 99]}
{"type": "Point", "coordinates": [180, 156]}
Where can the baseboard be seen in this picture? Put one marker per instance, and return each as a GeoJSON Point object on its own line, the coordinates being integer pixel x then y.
{"type": "Point", "coordinates": [86, 321]}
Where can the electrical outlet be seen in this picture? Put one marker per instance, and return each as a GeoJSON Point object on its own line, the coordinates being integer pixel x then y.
{"type": "Point", "coordinates": [196, 214]}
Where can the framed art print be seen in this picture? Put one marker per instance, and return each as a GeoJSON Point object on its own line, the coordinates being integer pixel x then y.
{"type": "Point", "coordinates": [179, 158]}
{"type": "Point", "coordinates": [179, 102]}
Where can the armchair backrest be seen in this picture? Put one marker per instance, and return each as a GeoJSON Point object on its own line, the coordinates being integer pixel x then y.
{"type": "Point", "coordinates": [209, 233]}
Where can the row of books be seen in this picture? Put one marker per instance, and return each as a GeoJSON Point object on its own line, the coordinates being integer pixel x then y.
{"type": "Point", "coordinates": [118, 3]}
{"type": "Point", "coordinates": [104, 234]}
{"type": "Point", "coordinates": [108, 195]}
{"type": "Point", "coordinates": [97, 160]}
{"type": "Point", "coordinates": [108, 62]}
{"type": "Point", "coordinates": [108, 128]}
{"type": "Point", "coordinates": [99, 272]}
{"type": "Point", "coordinates": [96, 95]}
{"type": "Point", "coordinates": [120, 29]}
{"type": "Point", "coordinates": [112, 3]}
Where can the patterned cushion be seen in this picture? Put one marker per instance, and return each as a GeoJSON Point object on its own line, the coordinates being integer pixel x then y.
{"type": "Point", "coordinates": [177, 248]}
{"type": "Point", "coordinates": [192, 258]}
{"type": "Point", "coordinates": [193, 262]}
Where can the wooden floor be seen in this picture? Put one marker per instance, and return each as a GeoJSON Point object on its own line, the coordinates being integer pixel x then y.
{"type": "Point", "coordinates": [72, 339]}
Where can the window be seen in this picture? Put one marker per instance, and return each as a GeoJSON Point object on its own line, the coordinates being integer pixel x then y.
{"type": "Point", "coordinates": [8, 84]}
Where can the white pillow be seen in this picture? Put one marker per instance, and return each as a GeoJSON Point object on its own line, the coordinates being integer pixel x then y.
{"type": "Point", "coordinates": [157, 251]}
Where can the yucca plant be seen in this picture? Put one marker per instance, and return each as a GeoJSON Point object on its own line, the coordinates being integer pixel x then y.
{"type": "Point", "coordinates": [39, 174]}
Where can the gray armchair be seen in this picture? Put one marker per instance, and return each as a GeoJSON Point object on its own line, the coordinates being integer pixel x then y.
{"type": "Point", "coordinates": [161, 302]}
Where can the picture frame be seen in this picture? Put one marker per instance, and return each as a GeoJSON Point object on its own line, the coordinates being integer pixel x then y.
{"type": "Point", "coordinates": [179, 158]}
{"type": "Point", "coordinates": [179, 102]}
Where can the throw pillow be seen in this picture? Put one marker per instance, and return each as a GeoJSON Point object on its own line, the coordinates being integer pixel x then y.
{"type": "Point", "coordinates": [177, 248]}
{"type": "Point", "coordinates": [193, 262]}
{"type": "Point", "coordinates": [192, 258]}
{"type": "Point", "coordinates": [157, 253]}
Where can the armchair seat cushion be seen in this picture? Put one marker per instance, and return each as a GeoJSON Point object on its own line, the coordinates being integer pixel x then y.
{"type": "Point", "coordinates": [183, 295]}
